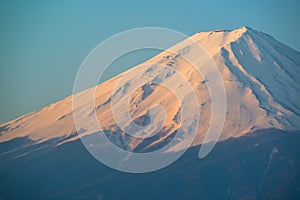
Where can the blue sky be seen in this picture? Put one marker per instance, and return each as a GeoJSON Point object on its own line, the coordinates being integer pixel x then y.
{"type": "Point", "coordinates": [44, 42]}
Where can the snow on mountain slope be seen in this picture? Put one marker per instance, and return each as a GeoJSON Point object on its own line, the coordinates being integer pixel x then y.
{"type": "Point", "coordinates": [260, 77]}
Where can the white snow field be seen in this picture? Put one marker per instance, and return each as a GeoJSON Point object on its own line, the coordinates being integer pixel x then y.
{"type": "Point", "coordinates": [260, 75]}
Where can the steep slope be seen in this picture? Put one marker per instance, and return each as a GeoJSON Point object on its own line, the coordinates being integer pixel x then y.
{"type": "Point", "coordinates": [259, 75]}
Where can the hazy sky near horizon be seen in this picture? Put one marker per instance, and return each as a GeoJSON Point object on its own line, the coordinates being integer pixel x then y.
{"type": "Point", "coordinates": [44, 42]}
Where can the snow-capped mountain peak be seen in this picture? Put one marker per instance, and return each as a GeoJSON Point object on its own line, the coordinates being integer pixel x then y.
{"type": "Point", "coordinates": [260, 77]}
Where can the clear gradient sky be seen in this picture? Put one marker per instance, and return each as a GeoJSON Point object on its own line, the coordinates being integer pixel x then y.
{"type": "Point", "coordinates": [44, 42]}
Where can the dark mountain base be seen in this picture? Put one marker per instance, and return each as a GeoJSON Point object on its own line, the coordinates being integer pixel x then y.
{"type": "Point", "coordinates": [260, 165]}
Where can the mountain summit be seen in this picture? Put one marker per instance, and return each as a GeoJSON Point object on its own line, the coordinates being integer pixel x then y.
{"type": "Point", "coordinates": [260, 77]}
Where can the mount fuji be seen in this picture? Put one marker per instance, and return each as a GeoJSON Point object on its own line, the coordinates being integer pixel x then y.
{"type": "Point", "coordinates": [260, 77]}
{"type": "Point", "coordinates": [262, 85]}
